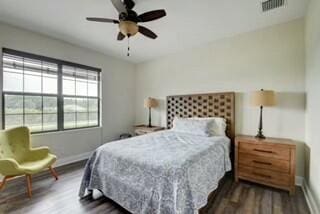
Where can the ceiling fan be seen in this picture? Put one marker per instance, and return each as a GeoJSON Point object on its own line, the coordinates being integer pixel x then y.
{"type": "Point", "coordinates": [129, 19]}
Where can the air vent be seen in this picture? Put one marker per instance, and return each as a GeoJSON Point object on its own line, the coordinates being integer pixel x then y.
{"type": "Point", "coordinates": [272, 4]}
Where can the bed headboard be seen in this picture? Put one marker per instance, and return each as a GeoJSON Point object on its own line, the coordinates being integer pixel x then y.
{"type": "Point", "coordinates": [203, 105]}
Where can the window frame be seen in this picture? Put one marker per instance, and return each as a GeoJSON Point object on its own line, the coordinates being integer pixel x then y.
{"type": "Point", "coordinates": [59, 95]}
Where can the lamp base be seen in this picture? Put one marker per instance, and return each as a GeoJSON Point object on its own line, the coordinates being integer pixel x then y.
{"type": "Point", "coordinates": [260, 136]}
{"type": "Point", "coordinates": [149, 124]}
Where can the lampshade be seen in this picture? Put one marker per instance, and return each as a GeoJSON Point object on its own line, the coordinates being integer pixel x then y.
{"type": "Point", "coordinates": [150, 103]}
{"type": "Point", "coordinates": [263, 98]}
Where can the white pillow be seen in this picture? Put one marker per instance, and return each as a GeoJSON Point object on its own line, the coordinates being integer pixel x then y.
{"type": "Point", "coordinates": [218, 126]}
{"type": "Point", "coordinates": [195, 127]}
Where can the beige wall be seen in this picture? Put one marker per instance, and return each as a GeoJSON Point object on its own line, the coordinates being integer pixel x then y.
{"type": "Point", "coordinates": [313, 101]}
{"type": "Point", "coordinates": [117, 91]}
{"type": "Point", "coordinates": [271, 58]}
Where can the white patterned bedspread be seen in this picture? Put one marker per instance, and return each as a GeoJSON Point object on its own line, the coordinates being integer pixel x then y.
{"type": "Point", "coordinates": [163, 172]}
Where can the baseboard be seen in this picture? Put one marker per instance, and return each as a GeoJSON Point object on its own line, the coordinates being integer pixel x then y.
{"type": "Point", "coordinates": [72, 159]}
{"type": "Point", "coordinates": [299, 181]}
{"type": "Point", "coordinates": [314, 209]}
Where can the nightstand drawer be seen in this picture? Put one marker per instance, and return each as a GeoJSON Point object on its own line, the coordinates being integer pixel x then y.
{"type": "Point", "coordinates": [264, 162]}
{"type": "Point", "coordinates": [265, 150]}
{"type": "Point", "coordinates": [265, 176]}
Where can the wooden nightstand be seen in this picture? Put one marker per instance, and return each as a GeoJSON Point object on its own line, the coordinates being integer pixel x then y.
{"type": "Point", "coordinates": [270, 161]}
{"type": "Point", "coordinates": [144, 129]}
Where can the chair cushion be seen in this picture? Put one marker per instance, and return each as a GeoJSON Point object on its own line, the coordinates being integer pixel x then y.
{"type": "Point", "coordinates": [32, 167]}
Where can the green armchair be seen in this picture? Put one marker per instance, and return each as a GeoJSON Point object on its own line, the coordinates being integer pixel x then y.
{"type": "Point", "coordinates": [18, 158]}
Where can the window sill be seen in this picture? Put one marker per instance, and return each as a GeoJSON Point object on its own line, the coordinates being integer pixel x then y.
{"type": "Point", "coordinates": [67, 131]}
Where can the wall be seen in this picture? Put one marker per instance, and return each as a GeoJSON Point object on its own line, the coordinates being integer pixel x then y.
{"type": "Point", "coordinates": [271, 58]}
{"type": "Point", "coordinates": [117, 92]}
{"type": "Point", "coordinates": [313, 101]}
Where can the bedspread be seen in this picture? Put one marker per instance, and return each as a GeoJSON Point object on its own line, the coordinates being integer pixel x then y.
{"type": "Point", "coordinates": [163, 172]}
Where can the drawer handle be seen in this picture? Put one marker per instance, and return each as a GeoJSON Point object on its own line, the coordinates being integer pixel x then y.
{"type": "Point", "coordinates": [264, 151]}
{"type": "Point", "coordinates": [262, 175]}
{"type": "Point", "coordinates": [260, 162]}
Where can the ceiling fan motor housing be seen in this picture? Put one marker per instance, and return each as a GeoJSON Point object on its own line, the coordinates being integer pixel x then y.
{"type": "Point", "coordinates": [130, 15]}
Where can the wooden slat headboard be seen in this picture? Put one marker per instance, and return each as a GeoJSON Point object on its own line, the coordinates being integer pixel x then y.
{"type": "Point", "coordinates": [203, 105]}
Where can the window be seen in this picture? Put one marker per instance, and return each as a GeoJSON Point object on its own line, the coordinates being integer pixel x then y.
{"type": "Point", "coordinates": [80, 97]}
{"type": "Point", "coordinates": [47, 94]}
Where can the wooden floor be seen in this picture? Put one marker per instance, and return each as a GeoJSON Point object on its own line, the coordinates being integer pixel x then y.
{"type": "Point", "coordinates": [61, 196]}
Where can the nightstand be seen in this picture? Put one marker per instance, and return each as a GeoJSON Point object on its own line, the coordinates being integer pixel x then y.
{"type": "Point", "coordinates": [270, 161]}
{"type": "Point", "coordinates": [144, 129]}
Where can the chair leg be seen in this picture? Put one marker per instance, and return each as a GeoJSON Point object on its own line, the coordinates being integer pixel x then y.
{"type": "Point", "coordinates": [3, 183]}
{"type": "Point", "coordinates": [29, 185]}
{"type": "Point", "coordinates": [53, 173]}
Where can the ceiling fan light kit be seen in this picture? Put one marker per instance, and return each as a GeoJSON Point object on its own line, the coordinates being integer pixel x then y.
{"type": "Point", "coordinates": [128, 28]}
{"type": "Point", "coordinates": [129, 19]}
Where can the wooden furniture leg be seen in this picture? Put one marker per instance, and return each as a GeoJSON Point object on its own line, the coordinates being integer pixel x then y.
{"type": "Point", "coordinates": [292, 191]}
{"type": "Point", "coordinates": [53, 173]}
{"type": "Point", "coordinates": [29, 185]}
{"type": "Point", "coordinates": [4, 181]}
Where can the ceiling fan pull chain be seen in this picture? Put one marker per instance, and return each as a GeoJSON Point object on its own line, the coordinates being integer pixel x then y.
{"type": "Point", "coordinates": [128, 54]}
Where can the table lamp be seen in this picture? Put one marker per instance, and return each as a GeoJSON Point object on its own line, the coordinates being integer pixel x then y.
{"type": "Point", "coordinates": [150, 103]}
{"type": "Point", "coordinates": [262, 98]}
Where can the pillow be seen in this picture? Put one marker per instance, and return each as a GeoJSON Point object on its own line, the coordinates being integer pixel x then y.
{"type": "Point", "coordinates": [218, 126]}
{"type": "Point", "coordinates": [195, 127]}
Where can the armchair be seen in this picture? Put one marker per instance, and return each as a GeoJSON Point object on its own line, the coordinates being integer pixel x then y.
{"type": "Point", "coordinates": [18, 158]}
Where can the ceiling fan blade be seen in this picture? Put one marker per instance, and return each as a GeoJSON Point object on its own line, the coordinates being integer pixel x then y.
{"type": "Point", "coordinates": [129, 4]}
{"type": "Point", "coordinates": [151, 15]}
{"type": "Point", "coordinates": [121, 8]}
{"type": "Point", "coordinates": [148, 33]}
{"type": "Point", "coordinates": [120, 36]}
{"type": "Point", "coordinates": [94, 19]}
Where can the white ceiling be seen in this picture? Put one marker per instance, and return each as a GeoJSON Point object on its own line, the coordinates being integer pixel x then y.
{"type": "Point", "coordinates": [189, 23]}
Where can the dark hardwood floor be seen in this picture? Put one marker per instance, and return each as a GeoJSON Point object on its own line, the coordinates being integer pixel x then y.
{"type": "Point", "coordinates": [61, 196]}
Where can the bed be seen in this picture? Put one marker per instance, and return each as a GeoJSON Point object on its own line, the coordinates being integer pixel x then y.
{"type": "Point", "coordinates": [166, 171]}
